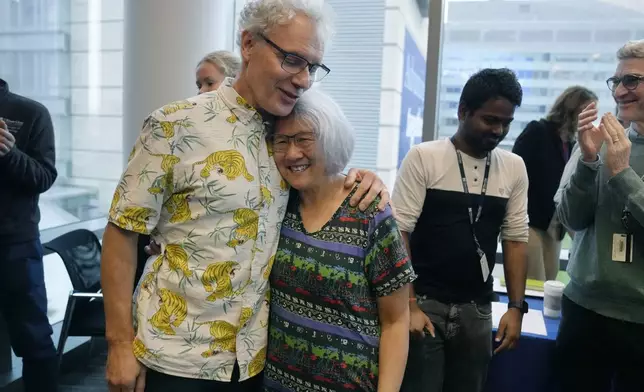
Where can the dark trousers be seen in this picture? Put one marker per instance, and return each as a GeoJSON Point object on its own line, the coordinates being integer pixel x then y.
{"type": "Point", "coordinates": [456, 360]}
{"type": "Point", "coordinates": [159, 382]}
{"type": "Point", "coordinates": [595, 353]}
{"type": "Point", "coordinates": [23, 303]}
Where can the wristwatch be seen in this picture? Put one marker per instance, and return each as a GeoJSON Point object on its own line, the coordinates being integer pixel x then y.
{"type": "Point", "coordinates": [522, 306]}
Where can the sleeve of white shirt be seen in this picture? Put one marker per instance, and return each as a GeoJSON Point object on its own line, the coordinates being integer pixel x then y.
{"type": "Point", "coordinates": [410, 190]}
{"type": "Point", "coordinates": [515, 223]}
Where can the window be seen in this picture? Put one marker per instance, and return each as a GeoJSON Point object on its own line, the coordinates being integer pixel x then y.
{"type": "Point", "coordinates": [535, 91]}
{"type": "Point", "coordinates": [380, 52]}
{"type": "Point", "coordinates": [531, 108]}
{"type": "Point", "coordinates": [68, 55]}
{"type": "Point", "coordinates": [551, 45]}
{"type": "Point", "coordinates": [45, 56]}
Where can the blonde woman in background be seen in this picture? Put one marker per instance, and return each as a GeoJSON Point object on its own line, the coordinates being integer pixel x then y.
{"type": "Point", "coordinates": [545, 146]}
{"type": "Point", "coordinates": [214, 68]}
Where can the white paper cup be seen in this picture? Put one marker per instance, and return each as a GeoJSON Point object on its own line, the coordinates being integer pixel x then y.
{"type": "Point", "coordinates": [552, 293]}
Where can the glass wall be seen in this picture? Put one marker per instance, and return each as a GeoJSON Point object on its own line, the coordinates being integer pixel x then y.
{"type": "Point", "coordinates": [68, 55]}
{"type": "Point", "coordinates": [378, 59]}
{"type": "Point", "coordinates": [550, 44]}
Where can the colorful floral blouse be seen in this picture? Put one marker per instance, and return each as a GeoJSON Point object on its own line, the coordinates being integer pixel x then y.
{"type": "Point", "coordinates": [324, 328]}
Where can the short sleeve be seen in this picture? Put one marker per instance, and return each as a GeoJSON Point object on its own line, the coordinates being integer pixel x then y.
{"type": "Point", "coordinates": [147, 180]}
{"type": "Point", "coordinates": [387, 263]}
{"type": "Point", "coordinates": [515, 224]}
{"type": "Point", "coordinates": [410, 190]}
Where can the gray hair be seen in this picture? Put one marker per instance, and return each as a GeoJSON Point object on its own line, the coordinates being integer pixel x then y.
{"type": "Point", "coordinates": [227, 62]}
{"type": "Point", "coordinates": [631, 50]}
{"type": "Point", "coordinates": [260, 16]}
{"type": "Point", "coordinates": [334, 131]}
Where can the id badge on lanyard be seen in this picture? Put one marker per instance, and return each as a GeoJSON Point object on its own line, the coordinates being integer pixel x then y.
{"type": "Point", "coordinates": [485, 268]}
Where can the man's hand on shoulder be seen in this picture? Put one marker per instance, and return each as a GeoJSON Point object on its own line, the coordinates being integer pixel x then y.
{"type": "Point", "coordinates": [371, 186]}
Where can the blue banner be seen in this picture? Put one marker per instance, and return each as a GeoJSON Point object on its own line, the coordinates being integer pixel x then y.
{"type": "Point", "coordinates": [413, 97]}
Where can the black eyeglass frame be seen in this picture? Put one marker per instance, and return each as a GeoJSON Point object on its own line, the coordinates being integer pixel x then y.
{"type": "Point", "coordinates": [632, 81]}
{"type": "Point", "coordinates": [313, 67]}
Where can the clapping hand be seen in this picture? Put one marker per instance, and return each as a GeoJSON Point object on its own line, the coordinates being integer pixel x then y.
{"type": "Point", "coordinates": [618, 146]}
{"type": "Point", "coordinates": [589, 136]}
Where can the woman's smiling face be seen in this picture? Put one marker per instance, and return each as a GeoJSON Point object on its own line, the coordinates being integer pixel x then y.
{"type": "Point", "coordinates": [296, 153]}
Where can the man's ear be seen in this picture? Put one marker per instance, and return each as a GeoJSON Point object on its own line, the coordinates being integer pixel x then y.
{"type": "Point", "coordinates": [248, 43]}
{"type": "Point", "coordinates": [462, 111]}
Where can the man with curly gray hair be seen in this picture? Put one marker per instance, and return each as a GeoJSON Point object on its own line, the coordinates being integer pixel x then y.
{"type": "Point", "coordinates": [279, 39]}
{"type": "Point", "coordinates": [202, 183]}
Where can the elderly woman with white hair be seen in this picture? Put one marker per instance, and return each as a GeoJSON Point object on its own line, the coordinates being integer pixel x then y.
{"type": "Point", "coordinates": [214, 68]}
{"type": "Point", "coordinates": [339, 304]}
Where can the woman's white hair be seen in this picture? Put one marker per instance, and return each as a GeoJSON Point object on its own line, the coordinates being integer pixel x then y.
{"type": "Point", "coordinates": [260, 16]}
{"type": "Point", "coordinates": [631, 50]}
{"type": "Point", "coordinates": [334, 131]}
{"type": "Point", "coordinates": [227, 62]}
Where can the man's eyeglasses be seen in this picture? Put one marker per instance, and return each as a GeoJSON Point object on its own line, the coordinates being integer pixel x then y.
{"type": "Point", "coordinates": [302, 140]}
{"type": "Point", "coordinates": [630, 82]}
{"type": "Point", "coordinates": [295, 64]}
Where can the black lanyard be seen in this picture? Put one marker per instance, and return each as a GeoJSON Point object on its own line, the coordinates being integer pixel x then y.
{"type": "Point", "coordinates": [470, 210]}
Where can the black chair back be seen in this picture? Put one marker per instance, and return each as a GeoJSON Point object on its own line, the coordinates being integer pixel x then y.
{"type": "Point", "coordinates": [81, 254]}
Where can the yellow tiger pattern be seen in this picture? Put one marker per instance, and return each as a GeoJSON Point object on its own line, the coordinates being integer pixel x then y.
{"type": "Point", "coordinates": [115, 201]}
{"type": "Point", "coordinates": [220, 274]}
{"type": "Point", "coordinates": [177, 258]}
{"type": "Point", "coordinates": [230, 163]}
{"type": "Point", "coordinates": [147, 280]}
{"type": "Point", "coordinates": [246, 314]}
{"type": "Point", "coordinates": [132, 153]}
{"type": "Point", "coordinates": [179, 206]}
{"type": "Point", "coordinates": [135, 219]}
{"type": "Point", "coordinates": [168, 128]}
{"type": "Point", "coordinates": [176, 106]}
{"type": "Point", "coordinates": [269, 266]}
{"type": "Point", "coordinates": [172, 312]}
{"type": "Point", "coordinates": [224, 336]}
{"type": "Point", "coordinates": [256, 365]}
{"type": "Point", "coordinates": [242, 101]}
{"type": "Point", "coordinates": [168, 161]}
{"type": "Point", "coordinates": [283, 185]}
{"type": "Point", "coordinates": [247, 222]}
{"type": "Point", "coordinates": [140, 351]}
{"type": "Point", "coordinates": [165, 182]}
{"type": "Point", "coordinates": [267, 196]}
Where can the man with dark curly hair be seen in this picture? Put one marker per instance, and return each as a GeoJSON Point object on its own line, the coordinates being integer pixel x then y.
{"type": "Point", "coordinates": [453, 198]}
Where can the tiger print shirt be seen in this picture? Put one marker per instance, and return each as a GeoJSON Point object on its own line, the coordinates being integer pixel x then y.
{"type": "Point", "coordinates": [202, 182]}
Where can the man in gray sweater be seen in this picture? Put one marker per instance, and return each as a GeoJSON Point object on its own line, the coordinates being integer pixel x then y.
{"type": "Point", "coordinates": [601, 336]}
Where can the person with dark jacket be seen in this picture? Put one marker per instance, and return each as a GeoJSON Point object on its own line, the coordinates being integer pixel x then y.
{"type": "Point", "coordinates": [545, 147]}
{"type": "Point", "coordinates": [27, 169]}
